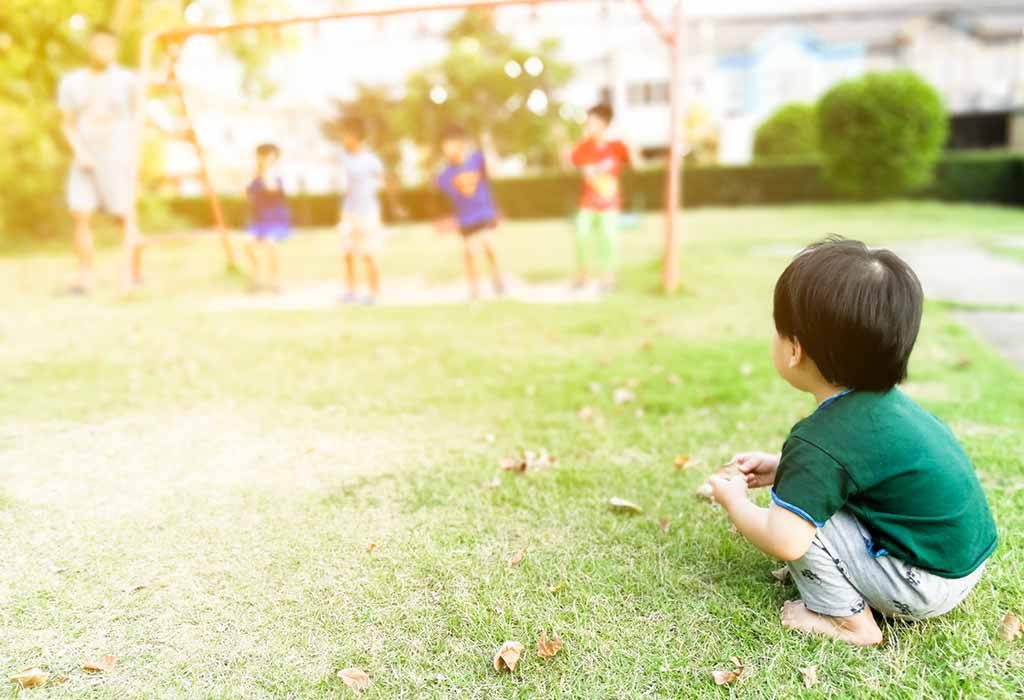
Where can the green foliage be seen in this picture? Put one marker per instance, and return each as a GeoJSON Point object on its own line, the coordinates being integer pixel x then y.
{"type": "Point", "coordinates": [37, 46]}
{"type": "Point", "coordinates": [959, 178]}
{"type": "Point", "coordinates": [791, 133]}
{"type": "Point", "coordinates": [481, 97]}
{"type": "Point", "coordinates": [881, 134]}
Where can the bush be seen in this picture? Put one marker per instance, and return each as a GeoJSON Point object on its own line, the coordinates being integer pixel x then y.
{"type": "Point", "coordinates": [791, 133]}
{"type": "Point", "coordinates": [881, 134]}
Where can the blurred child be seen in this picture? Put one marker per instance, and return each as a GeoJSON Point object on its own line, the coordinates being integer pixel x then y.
{"type": "Point", "coordinates": [99, 107]}
{"type": "Point", "coordinates": [875, 505]}
{"type": "Point", "coordinates": [360, 216]}
{"type": "Point", "coordinates": [465, 182]}
{"type": "Point", "coordinates": [270, 220]}
{"type": "Point", "coordinates": [597, 225]}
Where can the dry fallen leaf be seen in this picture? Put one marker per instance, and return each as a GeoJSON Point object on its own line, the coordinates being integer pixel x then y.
{"type": "Point", "coordinates": [810, 676]}
{"type": "Point", "coordinates": [517, 557]}
{"type": "Point", "coordinates": [727, 677]}
{"type": "Point", "coordinates": [664, 524]}
{"type": "Point", "coordinates": [1010, 628]}
{"type": "Point", "coordinates": [355, 678]}
{"type": "Point", "coordinates": [528, 460]}
{"type": "Point", "coordinates": [508, 656]}
{"type": "Point", "coordinates": [30, 678]}
{"type": "Point", "coordinates": [547, 648]}
{"type": "Point", "coordinates": [624, 505]}
{"type": "Point", "coordinates": [781, 574]}
{"type": "Point", "coordinates": [106, 663]}
{"type": "Point", "coordinates": [623, 395]}
{"type": "Point", "coordinates": [370, 547]}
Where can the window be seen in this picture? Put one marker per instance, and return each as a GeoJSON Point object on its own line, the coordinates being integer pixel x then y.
{"type": "Point", "coordinates": [648, 93]}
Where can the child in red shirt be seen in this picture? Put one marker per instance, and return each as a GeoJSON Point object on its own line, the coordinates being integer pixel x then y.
{"type": "Point", "coordinates": [601, 161]}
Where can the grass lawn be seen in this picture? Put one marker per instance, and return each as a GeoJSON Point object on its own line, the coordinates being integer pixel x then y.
{"type": "Point", "coordinates": [196, 491]}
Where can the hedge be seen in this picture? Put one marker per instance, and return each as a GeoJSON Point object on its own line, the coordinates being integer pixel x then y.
{"type": "Point", "coordinates": [970, 177]}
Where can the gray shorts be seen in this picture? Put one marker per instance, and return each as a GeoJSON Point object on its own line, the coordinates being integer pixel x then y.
{"type": "Point", "coordinates": [109, 187]}
{"type": "Point", "coordinates": [838, 576]}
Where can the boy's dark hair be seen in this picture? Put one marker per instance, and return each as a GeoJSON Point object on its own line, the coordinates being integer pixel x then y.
{"type": "Point", "coordinates": [855, 311]}
{"type": "Point", "coordinates": [267, 149]}
{"type": "Point", "coordinates": [102, 30]}
{"type": "Point", "coordinates": [453, 132]}
{"type": "Point", "coordinates": [603, 112]}
{"type": "Point", "coordinates": [355, 126]}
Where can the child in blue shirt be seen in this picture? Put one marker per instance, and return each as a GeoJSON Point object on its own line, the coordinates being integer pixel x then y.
{"type": "Point", "coordinates": [465, 183]}
{"type": "Point", "coordinates": [270, 219]}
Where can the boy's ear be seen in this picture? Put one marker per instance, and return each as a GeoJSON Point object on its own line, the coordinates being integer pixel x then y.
{"type": "Point", "coordinates": [796, 354]}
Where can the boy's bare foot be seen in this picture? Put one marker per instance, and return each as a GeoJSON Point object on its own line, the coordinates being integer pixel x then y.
{"type": "Point", "coordinates": [860, 629]}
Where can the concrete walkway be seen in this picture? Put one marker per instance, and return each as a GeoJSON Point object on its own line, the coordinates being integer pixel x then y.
{"type": "Point", "coordinates": [964, 273]}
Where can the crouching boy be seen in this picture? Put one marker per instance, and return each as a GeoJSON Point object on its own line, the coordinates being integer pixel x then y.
{"type": "Point", "coordinates": [875, 505]}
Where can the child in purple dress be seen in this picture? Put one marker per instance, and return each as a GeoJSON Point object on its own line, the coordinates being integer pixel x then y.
{"type": "Point", "coordinates": [270, 219]}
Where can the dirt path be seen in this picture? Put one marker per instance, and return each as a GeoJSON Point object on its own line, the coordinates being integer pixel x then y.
{"type": "Point", "coordinates": [966, 274]}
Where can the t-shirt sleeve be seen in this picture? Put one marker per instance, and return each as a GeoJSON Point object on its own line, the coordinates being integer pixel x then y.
{"type": "Point", "coordinates": [622, 152]}
{"type": "Point", "coordinates": [809, 482]}
{"type": "Point", "coordinates": [576, 158]}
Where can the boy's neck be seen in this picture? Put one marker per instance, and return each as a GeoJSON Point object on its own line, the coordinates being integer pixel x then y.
{"type": "Point", "coordinates": [823, 392]}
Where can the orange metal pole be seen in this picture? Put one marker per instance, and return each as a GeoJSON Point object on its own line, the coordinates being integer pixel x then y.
{"type": "Point", "coordinates": [674, 178]}
{"type": "Point", "coordinates": [185, 32]}
{"type": "Point", "coordinates": [204, 171]}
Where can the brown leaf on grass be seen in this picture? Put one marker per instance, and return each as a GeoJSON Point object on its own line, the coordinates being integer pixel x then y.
{"type": "Point", "coordinates": [355, 678]}
{"type": "Point", "coordinates": [30, 678]}
{"type": "Point", "coordinates": [546, 648]}
{"type": "Point", "coordinates": [685, 462]}
{"type": "Point", "coordinates": [371, 547]}
{"type": "Point", "coordinates": [1010, 628]}
{"type": "Point", "coordinates": [664, 524]}
{"type": "Point", "coordinates": [810, 676]}
{"type": "Point", "coordinates": [516, 558]}
{"type": "Point", "coordinates": [106, 663]}
{"type": "Point", "coordinates": [623, 395]}
{"type": "Point", "coordinates": [727, 677]}
{"type": "Point", "coordinates": [781, 574]}
{"type": "Point", "coordinates": [528, 460]}
{"type": "Point", "coordinates": [622, 504]}
{"type": "Point", "coordinates": [508, 656]}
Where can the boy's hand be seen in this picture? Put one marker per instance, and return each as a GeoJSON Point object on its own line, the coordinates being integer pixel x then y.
{"type": "Point", "coordinates": [728, 491]}
{"type": "Point", "coordinates": [758, 467]}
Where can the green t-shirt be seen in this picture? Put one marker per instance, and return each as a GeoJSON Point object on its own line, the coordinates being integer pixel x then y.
{"type": "Point", "coordinates": [899, 470]}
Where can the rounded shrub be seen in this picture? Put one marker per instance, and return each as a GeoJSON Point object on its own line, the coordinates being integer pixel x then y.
{"type": "Point", "coordinates": [791, 133]}
{"type": "Point", "coordinates": [881, 134]}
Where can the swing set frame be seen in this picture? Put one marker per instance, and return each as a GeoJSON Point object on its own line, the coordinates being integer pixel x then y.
{"type": "Point", "coordinates": [671, 34]}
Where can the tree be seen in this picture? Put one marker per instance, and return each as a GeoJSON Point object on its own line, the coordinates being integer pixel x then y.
{"type": "Point", "coordinates": [39, 41]}
{"type": "Point", "coordinates": [881, 134]}
{"type": "Point", "coordinates": [790, 133]}
{"type": "Point", "coordinates": [488, 83]}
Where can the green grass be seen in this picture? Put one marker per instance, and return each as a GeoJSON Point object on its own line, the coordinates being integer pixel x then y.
{"type": "Point", "coordinates": [194, 491]}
